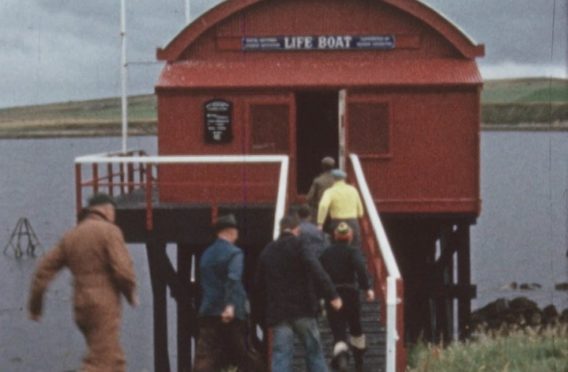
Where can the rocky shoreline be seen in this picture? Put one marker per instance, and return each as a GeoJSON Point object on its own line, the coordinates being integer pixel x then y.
{"type": "Point", "coordinates": [519, 312]}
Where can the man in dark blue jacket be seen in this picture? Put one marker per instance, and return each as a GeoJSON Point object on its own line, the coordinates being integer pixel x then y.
{"type": "Point", "coordinates": [222, 314]}
{"type": "Point", "coordinates": [346, 267]}
{"type": "Point", "coordinates": [286, 279]}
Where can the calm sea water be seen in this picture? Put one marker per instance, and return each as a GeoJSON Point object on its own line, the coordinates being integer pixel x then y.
{"type": "Point", "coordinates": [520, 237]}
{"type": "Point", "coordinates": [37, 183]}
{"type": "Point", "coordinates": [522, 234]}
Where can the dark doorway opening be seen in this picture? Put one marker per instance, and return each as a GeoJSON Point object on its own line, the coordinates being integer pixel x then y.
{"type": "Point", "coordinates": [317, 134]}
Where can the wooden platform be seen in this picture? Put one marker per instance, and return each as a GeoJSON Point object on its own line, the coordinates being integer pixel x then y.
{"type": "Point", "coordinates": [190, 223]}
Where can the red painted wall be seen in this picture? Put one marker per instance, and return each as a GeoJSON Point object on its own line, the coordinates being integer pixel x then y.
{"type": "Point", "coordinates": [433, 160]}
{"type": "Point", "coordinates": [433, 165]}
{"type": "Point", "coordinates": [181, 132]}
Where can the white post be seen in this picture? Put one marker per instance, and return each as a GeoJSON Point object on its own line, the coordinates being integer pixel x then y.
{"type": "Point", "coordinates": [341, 128]}
{"type": "Point", "coordinates": [281, 200]}
{"type": "Point", "coordinates": [187, 12]}
{"type": "Point", "coordinates": [392, 334]}
{"type": "Point", "coordinates": [123, 75]}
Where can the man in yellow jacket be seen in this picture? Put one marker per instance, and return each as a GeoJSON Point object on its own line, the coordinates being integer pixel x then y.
{"type": "Point", "coordinates": [95, 253]}
{"type": "Point", "coordinates": [343, 204]}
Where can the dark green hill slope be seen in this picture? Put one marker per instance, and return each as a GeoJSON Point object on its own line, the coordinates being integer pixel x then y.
{"type": "Point", "coordinates": [531, 103]}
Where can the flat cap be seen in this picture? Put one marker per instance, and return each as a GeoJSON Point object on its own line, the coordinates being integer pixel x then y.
{"type": "Point", "coordinates": [339, 174]}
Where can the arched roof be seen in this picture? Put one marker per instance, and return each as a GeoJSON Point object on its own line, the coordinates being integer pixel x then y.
{"type": "Point", "coordinates": [416, 8]}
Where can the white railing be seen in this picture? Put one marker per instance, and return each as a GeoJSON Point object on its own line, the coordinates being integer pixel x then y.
{"type": "Point", "coordinates": [114, 158]}
{"type": "Point", "coordinates": [393, 272]}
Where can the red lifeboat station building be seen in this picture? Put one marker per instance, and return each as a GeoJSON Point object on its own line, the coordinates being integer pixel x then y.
{"type": "Point", "coordinates": [389, 88]}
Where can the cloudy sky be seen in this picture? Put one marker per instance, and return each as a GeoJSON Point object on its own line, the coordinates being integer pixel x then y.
{"type": "Point", "coordinates": [63, 50]}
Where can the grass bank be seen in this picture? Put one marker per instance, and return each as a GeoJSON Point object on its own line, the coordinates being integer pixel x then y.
{"type": "Point", "coordinates": [527, 350]}
{"type": "Point", "coordinates": [512, 104]}
{"type": "Point", "coordinates": [100, 117]}
{"type": "Point", "coordinates": [521, 104]}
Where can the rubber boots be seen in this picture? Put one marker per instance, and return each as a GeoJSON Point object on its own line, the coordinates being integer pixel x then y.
{"type": "Point", "coordinates": [340, 360]}
{"type": "Point", "coordinates": [359, 347]}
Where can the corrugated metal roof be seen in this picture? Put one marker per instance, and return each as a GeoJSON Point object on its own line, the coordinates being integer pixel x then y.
{"type": "Point", "coordinates": [260, 74]}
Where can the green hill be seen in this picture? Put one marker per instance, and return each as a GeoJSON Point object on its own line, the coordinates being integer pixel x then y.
{"type": "Point", "coordinates": [531, 103]}
{"type": "Point", "coordinates": [542, 103]}
{"type": "Point", "coordinates": [529, 90]}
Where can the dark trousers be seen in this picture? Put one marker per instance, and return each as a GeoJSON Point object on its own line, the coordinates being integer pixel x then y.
{"type": "Point", "coordinates": [348, 316]}
{"type": "Point", "coordinates": [221, 344]}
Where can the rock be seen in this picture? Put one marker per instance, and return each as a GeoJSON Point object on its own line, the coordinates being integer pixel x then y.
{"type": "Point", "coordinates": [491, 315]}
{"type": "Point", "coordinates": [522, 303]}
{"type": "Point", "coordinates": [512, 285]}
{"type": "Point", "coordinates": [550, 315]}
{"type": "Point", "coordinates": [518, 312]}
{"type": "Point", "coordinates": [530, 286]}
{"type": "Point", "coordinates": [564, 316]}
{"type": "Point", "coordinates": [561, 286]}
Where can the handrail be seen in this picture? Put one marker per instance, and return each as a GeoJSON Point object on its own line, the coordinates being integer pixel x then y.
{"type": "Point", "coordinates": [148, 161]}
{"type": "Point", "coordinates": [394, 345]}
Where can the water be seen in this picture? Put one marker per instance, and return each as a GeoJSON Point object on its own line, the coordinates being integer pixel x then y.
{"type": "Point", "coordinates": [38, 183]}
{"type": "Point", "coordinates": [521, 236]}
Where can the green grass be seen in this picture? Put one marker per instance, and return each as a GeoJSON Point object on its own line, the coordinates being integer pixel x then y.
{"type": "Point", "coordinates": [516, 101]}
{"type": "Point", "coordinates": [516, 113]}
{"type": "Point", "coordinates": [534, 90]}
{"type": "Point", "coordinates": [506, 102]}
{"type": "Point", "coordinates": [518, 351]}
{"type": "Point", "coordinates": [140, 108]}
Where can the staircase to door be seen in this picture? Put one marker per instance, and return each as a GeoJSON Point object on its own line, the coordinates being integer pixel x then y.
{"type": "Point", "coordinates": [382, 320]}
{"type": "Point", "coordinates": [375, 334]}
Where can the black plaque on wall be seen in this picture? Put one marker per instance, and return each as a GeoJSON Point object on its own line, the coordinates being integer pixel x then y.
{"type": "Point", "coordinates": [218, 121]}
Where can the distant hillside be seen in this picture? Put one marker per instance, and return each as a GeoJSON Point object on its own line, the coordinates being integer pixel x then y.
{"type": "Point", "coordinates": [532, 103]}
{"type": "Point", "coordinates": [100, 117]}
{"type": "Point", "coordinates": [529, 90]}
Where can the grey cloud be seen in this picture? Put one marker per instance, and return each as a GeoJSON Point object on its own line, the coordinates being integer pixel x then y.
{"type": "Point", "coordinates": [58, 50]}
{"type": "Point", "coordinates": [512, 30]}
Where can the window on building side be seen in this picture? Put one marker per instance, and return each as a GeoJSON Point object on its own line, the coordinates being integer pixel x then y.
{"type": "Point", "coordinates": [269, 127]}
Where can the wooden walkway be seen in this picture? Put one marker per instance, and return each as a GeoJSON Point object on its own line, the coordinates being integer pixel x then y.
{"type": "Point", "coordinates": [375, 333]}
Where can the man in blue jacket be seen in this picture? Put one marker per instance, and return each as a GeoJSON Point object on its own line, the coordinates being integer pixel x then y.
{"type": "Point", "coordinates": [286, 279]}
{"type": "Point", "coordinates": [222, 314]}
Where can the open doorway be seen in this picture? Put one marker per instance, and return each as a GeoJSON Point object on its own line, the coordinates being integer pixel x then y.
{"type": "Point", "coordinates": [317, 133]}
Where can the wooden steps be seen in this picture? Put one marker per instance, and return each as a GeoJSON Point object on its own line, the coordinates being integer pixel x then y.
{"type": "Point", "coordinates": [374, 331]}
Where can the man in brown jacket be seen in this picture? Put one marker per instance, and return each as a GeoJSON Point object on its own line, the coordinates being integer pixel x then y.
{"type": "Point", "coordinates": [95, 253]}
{"type": "Point", "coordinates": [321, 183]}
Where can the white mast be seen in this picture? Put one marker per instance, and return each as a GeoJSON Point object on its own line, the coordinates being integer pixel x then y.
{"type": "Point", "coordinates": [123, 75]}
{"type": "Point", "coordinates": [187, 12]}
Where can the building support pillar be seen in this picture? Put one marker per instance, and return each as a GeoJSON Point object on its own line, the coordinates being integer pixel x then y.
{"type": "Point", "coordinates": [156, 252]}
{"type": "Point", "coordinates": [464, 279]}
{"type": "Point", "coordinates": [185, 310]}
